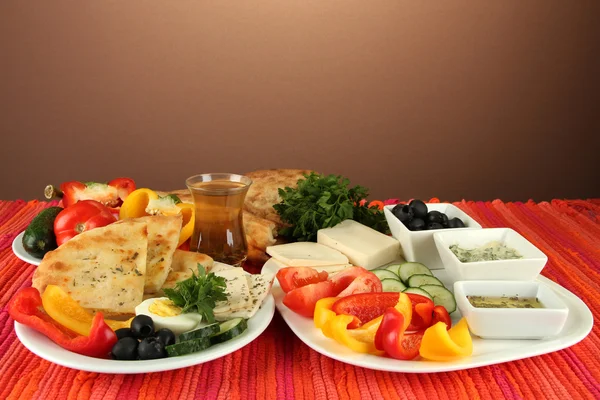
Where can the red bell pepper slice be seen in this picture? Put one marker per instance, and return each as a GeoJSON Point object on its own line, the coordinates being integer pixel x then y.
{"type": "Point", "coordinates": [365, 306]}
{"type": "Point", "coordinates": [124, 187]}
{"type": "Point", "coordinates": [26, 308]}
{"type": "Point", "coordinates": [390, 337]}
{"type": "Point", "coordinates": [422, 312]}
{"type": "Point", "coordinates": [69, 190]}
{"type": "Point", "coordinates": [440, 314]}
{"type": "Point", "coordinates": [80, 217]}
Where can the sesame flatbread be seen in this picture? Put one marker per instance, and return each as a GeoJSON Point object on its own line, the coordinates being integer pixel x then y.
{"type": "Point", "coordinates": [103, 269]}
{"type": "Point", "coordinates": [184, 264]}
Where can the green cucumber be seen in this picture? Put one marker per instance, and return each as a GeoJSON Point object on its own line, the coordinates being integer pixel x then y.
{"type": "Point", "coordinates": [229, 330]}
{"type": "Point", "coordinates": [419, 280]}
{"type": "Point", "coordinates": [205, 331]}
{"type": "Point", "coordinates": [409, 269]}
{"type": "Point", "coordinates": [39, 237]}
{"type": "Point", "coordinates": [395, 268]}
{"type": "Point", "coordinates": [419, 291]}
{"type": "Point", "coordinates": [384, 274]}
{"type": "Point", "coordinates": [392, 285]}
{"type": "Point", "coordinates": [188, 347]}
{"type": "Point", "coordinates": [441, 297]}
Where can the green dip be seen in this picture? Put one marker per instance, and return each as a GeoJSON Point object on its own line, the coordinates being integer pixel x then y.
{"type": "Point", "coordinates": [504, 302]}
{"type": "Point", "coordinates": [488, 252]}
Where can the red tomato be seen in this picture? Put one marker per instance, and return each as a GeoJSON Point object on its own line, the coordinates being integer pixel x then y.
{"type": "Point", "coordinates": [367, 282]}
{"type": "Point", "coordinates": [343, 279]}
{"type": "Point", "coordinates": [291, 278]}
{"type": "Point", "coordinates": [79, 217]}
{"type": "Point", "coordinates": [302, 300]}
{"type": "Point", "coordinates": [365, 306]}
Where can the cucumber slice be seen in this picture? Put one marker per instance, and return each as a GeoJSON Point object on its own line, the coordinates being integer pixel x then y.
{"type": "Point", "coordinates": [416, 290]}
{"type": "Point", "coordinates": [419, 280]}
{"type": "Point", "coordinates": [206, 331]}
{"type": "Point", "coordinates": [412, 268]}
{"type": "Point", "coordinates": [392, 285]}
{"type": "Point", "coordinates": [229, 329]}
{"type": "Point", "coordinates": [441, 297]}
{"type": "Point", "coordinates": [384, 274]}
{"type": "Point", "coordinates": [395, 268]}
{"type": "Point", "coordinates": [188, 347]}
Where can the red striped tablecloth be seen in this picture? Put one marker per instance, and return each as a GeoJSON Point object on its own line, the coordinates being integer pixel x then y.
{"type": "Point", "coordinates": [278, 365]}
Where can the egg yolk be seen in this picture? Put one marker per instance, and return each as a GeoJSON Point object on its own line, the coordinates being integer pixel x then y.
{"type": "Point", "coordinates": [164, 308]}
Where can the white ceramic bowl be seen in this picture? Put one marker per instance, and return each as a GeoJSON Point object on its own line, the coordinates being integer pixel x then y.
{"type": "Point", "coordinates": [522, 269]}
{"type": "Point", "coordinates": [511, 323]}
{"type": "Point", "coordinates": [419, 245]}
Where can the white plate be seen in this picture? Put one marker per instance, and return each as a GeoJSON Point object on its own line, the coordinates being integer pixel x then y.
{"type": "Point", "coordinates": [48, 350]}
{"type": "Point", "coordinates": [19, 250]}
{"type": "Point", "coordinates": [485, 352]}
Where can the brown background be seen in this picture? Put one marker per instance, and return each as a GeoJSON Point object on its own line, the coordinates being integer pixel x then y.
{"type": "Point", "coordinates": [476, 99]}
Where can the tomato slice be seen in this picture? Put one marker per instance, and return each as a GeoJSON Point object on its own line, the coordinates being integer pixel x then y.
{"type": "Point", "coordinates": [302, 300]}
{"type": "Point", "coordinates": [367, 282]}
{"type": "Point", "coordinates": [291, 278]}
{"type": "Point", "coordinates": [344, 278]}
{"type": "Point", "coordinates": [365, 306]}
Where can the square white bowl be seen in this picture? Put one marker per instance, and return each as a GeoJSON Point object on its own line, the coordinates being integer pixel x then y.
{"type": "Point", "coordinates": [522, 269]}
{"type": "Point", "coordinates": [418, 246]}
{"type": "Point", "coordinates": [511, 323]}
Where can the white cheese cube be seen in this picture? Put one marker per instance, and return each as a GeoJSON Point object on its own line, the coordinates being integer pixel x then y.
{"type": "Point", "coordinates": [362, 245]}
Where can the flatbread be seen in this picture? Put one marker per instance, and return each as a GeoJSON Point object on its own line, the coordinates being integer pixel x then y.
{"type": "Point", "coordinates": [163, 236]}
{"type": "Point", "coordinates": [103, 269]}
{"type": "Point", "coordinates": [263, 193]}
{"type": "Point", "coordinates": [185, 263]}
{"type": "Point", "coordinates": [260, 232]}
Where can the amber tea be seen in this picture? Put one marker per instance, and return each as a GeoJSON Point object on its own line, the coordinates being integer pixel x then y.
{"type": "Point", "coordinates": [218, 227]}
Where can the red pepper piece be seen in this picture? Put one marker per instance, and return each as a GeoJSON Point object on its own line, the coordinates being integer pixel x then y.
{"type": "Point", "coordinates": [440, 314]}
{"type": "Point", "coordinates": [390, 337]}
{"type": "Point", "coordinates": [422, 312]}
{"type": "Point", "coordinates": [81, 216]}
{"type": "Point", "coordinates": [124, 187]}
{"type": "Point", "coordinates": [365, 306]}
{"type": "Point", "coordinates": [69, 190]}
{"type": "Point", "coordinates": [26, 308]}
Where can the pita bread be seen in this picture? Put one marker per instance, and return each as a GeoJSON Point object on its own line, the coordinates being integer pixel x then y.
{"type": "Point", "coordinates": [263, 193]}
{"type": "Point", "coordinates": [103, 269]}
{"type": "Point", "coordinates": [163, 236]}
{"type": "Point", "coordinates": [184, 264]}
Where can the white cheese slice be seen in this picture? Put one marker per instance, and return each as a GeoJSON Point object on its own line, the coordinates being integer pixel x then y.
{"type": "Point", "coordinates": [306, 254]}
{"type": "Point", "coordinates": [330, 269]}
{"type": "Point", "coordinates": [364, 246]}
{"type": "Point", "coordinates": [237, 291]}
{"type": "Point", "coordinates": [259, 285]}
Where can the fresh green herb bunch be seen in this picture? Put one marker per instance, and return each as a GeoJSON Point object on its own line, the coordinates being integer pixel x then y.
{"type": "Point", "coordinates": [322, 201]}
{"type": "Point", "coordinates": [199, 293]}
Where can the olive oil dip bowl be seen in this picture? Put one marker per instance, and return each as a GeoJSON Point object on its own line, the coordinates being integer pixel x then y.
{"type": "Point", "coordinates": [418, 246]}
{"type": "Point", "coordinates": [484, 305]}
{"type": "Point", "coordinates": [473, 244]}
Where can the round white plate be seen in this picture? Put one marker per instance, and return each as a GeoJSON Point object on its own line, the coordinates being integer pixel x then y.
{"type": "Point", "coordinates": [48, 350]}
{"type": "Point", "coordinates": [17, 248]}
{"type": "Point", "coordinates": [485, 351]}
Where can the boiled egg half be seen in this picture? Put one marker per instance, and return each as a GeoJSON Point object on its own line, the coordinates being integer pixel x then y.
{"type": "Point", "coordinates": [165, 314]}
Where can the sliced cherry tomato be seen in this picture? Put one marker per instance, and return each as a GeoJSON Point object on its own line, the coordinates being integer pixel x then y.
{"type": "Point", "coordinates": [365, 306]}
{"type": "Point", "coordinates": [344, 278]}
{"type": "Point", "coordinates": [422, 312]}
{"type": "Point", "coordinates": [367, 282]}
{"type": "Point", "coordinates": [291, 278]}
{"type": "Point", "coordinates": [440, 314]}
{"type": "Point", "coordinates": [124, 186]}
{"type": "Point", "coordinates": [302, 300]}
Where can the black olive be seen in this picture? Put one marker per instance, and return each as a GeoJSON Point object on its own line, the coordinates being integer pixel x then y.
{"type": "Point", "coordinates": [416, 224]}
{"type": "Point", "coordinates": [434, 216]}
{"type": "Point", "coordinates": [444, 220]}
{"type": "Point", "coordinates": [455, 223]}
{"type": "Point", "coordinates": [403, 212]}
{"type": "Point", "coordinates": [123, 333]}
{"type": "Point", "coordinates": [142, 326]}
{"type": "Point", "coordinates": [434, 225]}
{"type": "Point", "coordinates": [151, 348]}
{"type": "Point", "coordinates": [419, 209]}
{"type": "Point", "coordinates": [125, 349]}
{"type": "Point", "coordinates": [165, 336]}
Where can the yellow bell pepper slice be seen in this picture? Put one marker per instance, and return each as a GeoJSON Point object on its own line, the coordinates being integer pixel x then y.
{"type": "Point", "coordinates": [188, 211]}
{"type": "Point", "coordinates": [66, 311]}
{"type": "Point", "coordinates": [358, 343]}
{"type": "Point", "coordinates": [135, 204]}
{"type": "Point", "coordinates": [439, 344]}
{"type": "Point", "coordinates": [323, 311]}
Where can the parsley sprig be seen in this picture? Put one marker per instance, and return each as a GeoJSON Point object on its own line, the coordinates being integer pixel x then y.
{"type": "Point", "coordinates": [322, 201]}
{"type": "Point", "coordinates": [199, 293]}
